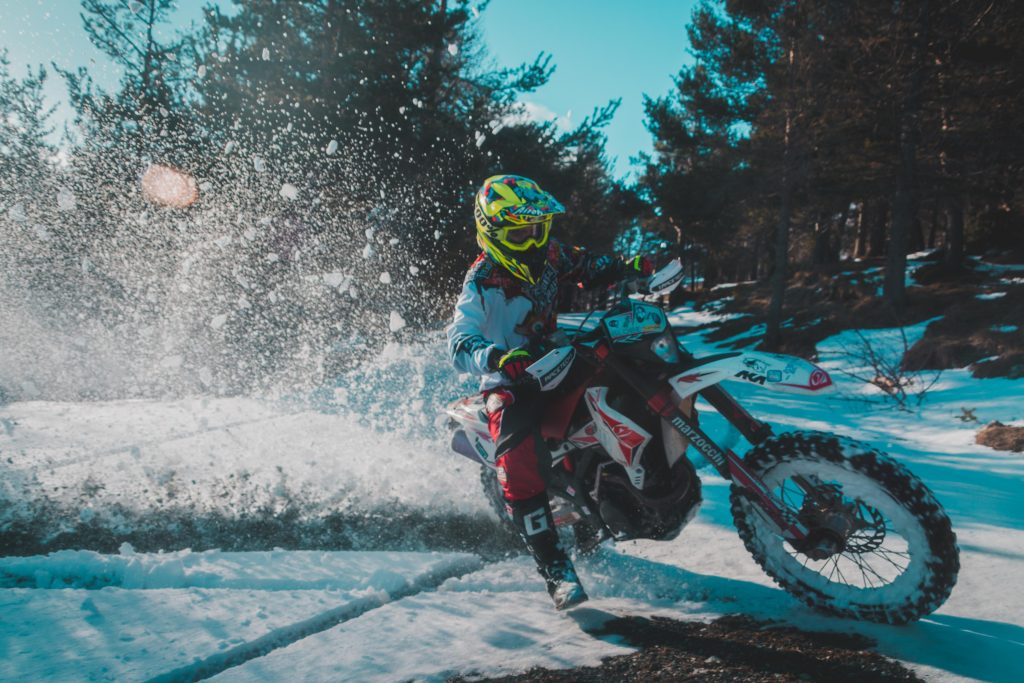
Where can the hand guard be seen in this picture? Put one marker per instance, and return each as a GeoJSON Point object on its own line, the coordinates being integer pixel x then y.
{"type": "Point", "coordinates": [511, 364]}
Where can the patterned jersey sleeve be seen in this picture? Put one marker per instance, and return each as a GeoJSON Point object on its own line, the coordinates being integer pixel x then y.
{"type": "Point", "coordinates": [467, 346]}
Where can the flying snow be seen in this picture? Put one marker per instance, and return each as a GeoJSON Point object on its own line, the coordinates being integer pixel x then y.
{"type": "Point", "coordinates": [289, 191]}
{"type": "Point", "coordinates": [395, 321]}
{"type": "Point", "coordinates": [66, 199]}
{"type": "Point", "coordinates": [17, 213]}
{"type": "Point", "coordinates": [332, 147]}
{"type": "Point", "coordinates": [385, 278]}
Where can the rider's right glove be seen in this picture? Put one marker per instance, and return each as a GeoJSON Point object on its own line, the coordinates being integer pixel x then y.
{"type": "Point", "coordinates": [511, 364]}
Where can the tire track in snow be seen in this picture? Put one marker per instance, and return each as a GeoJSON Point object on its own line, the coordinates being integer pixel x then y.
{"type": "Point", "coordinates": [286, 635]}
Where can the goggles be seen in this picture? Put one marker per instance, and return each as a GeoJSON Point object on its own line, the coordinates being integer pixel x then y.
{"type": "Point", "coordinates": [525, 236]}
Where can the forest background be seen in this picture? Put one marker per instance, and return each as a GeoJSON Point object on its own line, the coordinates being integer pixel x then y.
{"type": "Point", "coordinates": [336, 146]}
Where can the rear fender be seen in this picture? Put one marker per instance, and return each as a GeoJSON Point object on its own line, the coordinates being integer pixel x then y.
{"type": "Point", "coordinates": [785, 374]}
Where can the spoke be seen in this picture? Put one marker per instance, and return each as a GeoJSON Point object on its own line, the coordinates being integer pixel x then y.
{"type": "Point", "coordinates": [866, 579]}
{"type": "Point", "coordinates": [863, 564]}
{"type": "Point", "coordinates": [840, 571]}
{"type": "Point", "coordinates": [885, 557]}
{"type": "Point", "coordinates": [835, 567]}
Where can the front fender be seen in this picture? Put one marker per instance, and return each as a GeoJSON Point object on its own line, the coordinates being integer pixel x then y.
{"type": "Point", "coordinates": [785, 374]}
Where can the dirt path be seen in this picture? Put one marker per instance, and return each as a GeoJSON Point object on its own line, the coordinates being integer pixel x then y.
{"type": "Point", "coordinates": [733, 649]}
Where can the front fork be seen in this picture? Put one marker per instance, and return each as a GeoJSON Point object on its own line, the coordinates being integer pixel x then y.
{"type": "Point", "coordinates": [662, 401]}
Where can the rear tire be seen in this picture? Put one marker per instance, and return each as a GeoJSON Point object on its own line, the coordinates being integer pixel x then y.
{"type": "Point", "coordinates": [870, 478]}
{"type": "Point", "coordinates": [495, 496]}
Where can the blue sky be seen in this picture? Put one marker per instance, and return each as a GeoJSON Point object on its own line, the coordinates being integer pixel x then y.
{"type": "Point", "coordinates": [602, 49]}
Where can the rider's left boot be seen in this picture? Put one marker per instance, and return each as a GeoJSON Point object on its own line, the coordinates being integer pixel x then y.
{"type": "Point", "coordinates": [533, 519]}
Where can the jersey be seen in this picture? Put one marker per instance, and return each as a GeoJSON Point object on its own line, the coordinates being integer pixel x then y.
{"type": "Point", "coordinates": [497, 310]}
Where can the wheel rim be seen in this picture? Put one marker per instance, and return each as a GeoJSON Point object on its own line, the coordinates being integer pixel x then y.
{"type": "Point", "coordinates": [881, 559]}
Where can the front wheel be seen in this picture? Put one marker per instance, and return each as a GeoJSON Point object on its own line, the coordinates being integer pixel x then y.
{"type": "Point", "coordinates": [892, 555]}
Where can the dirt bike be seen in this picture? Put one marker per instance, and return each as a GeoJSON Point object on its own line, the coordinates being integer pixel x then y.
{"type": "Point", "coordinates": [834, 522]}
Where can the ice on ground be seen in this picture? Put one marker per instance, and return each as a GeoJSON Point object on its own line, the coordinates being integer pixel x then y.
{"type": "Point", "coordinates": [177, 612]}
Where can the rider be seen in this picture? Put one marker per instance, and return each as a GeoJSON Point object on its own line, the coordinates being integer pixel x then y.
{"type": "Point", "coordinates": [509, 302]}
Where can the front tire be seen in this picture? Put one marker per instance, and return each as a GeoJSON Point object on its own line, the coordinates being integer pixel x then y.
{"type": "Point", "coordinates": [895, 583]}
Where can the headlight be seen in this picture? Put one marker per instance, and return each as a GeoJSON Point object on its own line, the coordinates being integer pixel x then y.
{"type": "Point", "coordinates": [665, 348]}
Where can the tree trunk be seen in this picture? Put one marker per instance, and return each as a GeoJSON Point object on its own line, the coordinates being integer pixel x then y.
{"type": "Point", "coordinates": [955, 233]}
{"type": "Point", "coordinates": [904, 203]}
{"type": "Point", "coordinates": [821, 255]}
{"type": "Point", "coordinates": [773, 328]}
{"type": "Point", "coordinates": [860, 240]}
{"type": "Point", "coordinates": [878, 219]}
{"type": "Point", "coordinates": [773, 333]}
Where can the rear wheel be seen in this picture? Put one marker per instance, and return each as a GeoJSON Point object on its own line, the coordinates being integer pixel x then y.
{"type": "Point", "coordinates": [883, 550]}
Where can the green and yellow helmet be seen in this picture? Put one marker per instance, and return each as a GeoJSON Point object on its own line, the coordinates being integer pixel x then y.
{"type": "Point", "coordinates": [513, 221]}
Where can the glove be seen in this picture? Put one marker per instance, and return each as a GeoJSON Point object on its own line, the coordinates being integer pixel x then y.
{"type": "Point", "coordinates": [511, 364]}
{"type": "Point", "coordinates": [641, 265]}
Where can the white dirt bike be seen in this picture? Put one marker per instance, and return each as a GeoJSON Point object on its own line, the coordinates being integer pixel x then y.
{"type": "Point", "coordinates": [833, 521]}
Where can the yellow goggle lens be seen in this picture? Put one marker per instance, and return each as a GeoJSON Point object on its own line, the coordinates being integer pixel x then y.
{"type": "Point", "coordinates": [521, 238]}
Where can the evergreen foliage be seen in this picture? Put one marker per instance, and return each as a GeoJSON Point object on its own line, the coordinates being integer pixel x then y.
{"type": "Point", "coordinates": [810, 130]}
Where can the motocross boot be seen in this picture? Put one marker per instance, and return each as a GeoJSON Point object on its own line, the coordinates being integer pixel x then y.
{"type": "Point", "coordinates": [532, 518]}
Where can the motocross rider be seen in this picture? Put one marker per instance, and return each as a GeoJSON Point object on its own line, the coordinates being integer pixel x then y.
{"type": "Point", "coordinates": [509, 301]}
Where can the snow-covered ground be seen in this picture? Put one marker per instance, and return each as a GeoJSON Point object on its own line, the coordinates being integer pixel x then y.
{"type": "Point", "coordinates": [376, 615]}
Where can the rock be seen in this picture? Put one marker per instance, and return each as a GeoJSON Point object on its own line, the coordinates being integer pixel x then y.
{"type": "Point", "coordinates": [1001, 437]}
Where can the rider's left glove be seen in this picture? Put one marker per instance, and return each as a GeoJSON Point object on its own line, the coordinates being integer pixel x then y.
{"type": "Point", "coordinates": [512, 364]}
{"type": "Point", "coordinates": [640, 265]}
